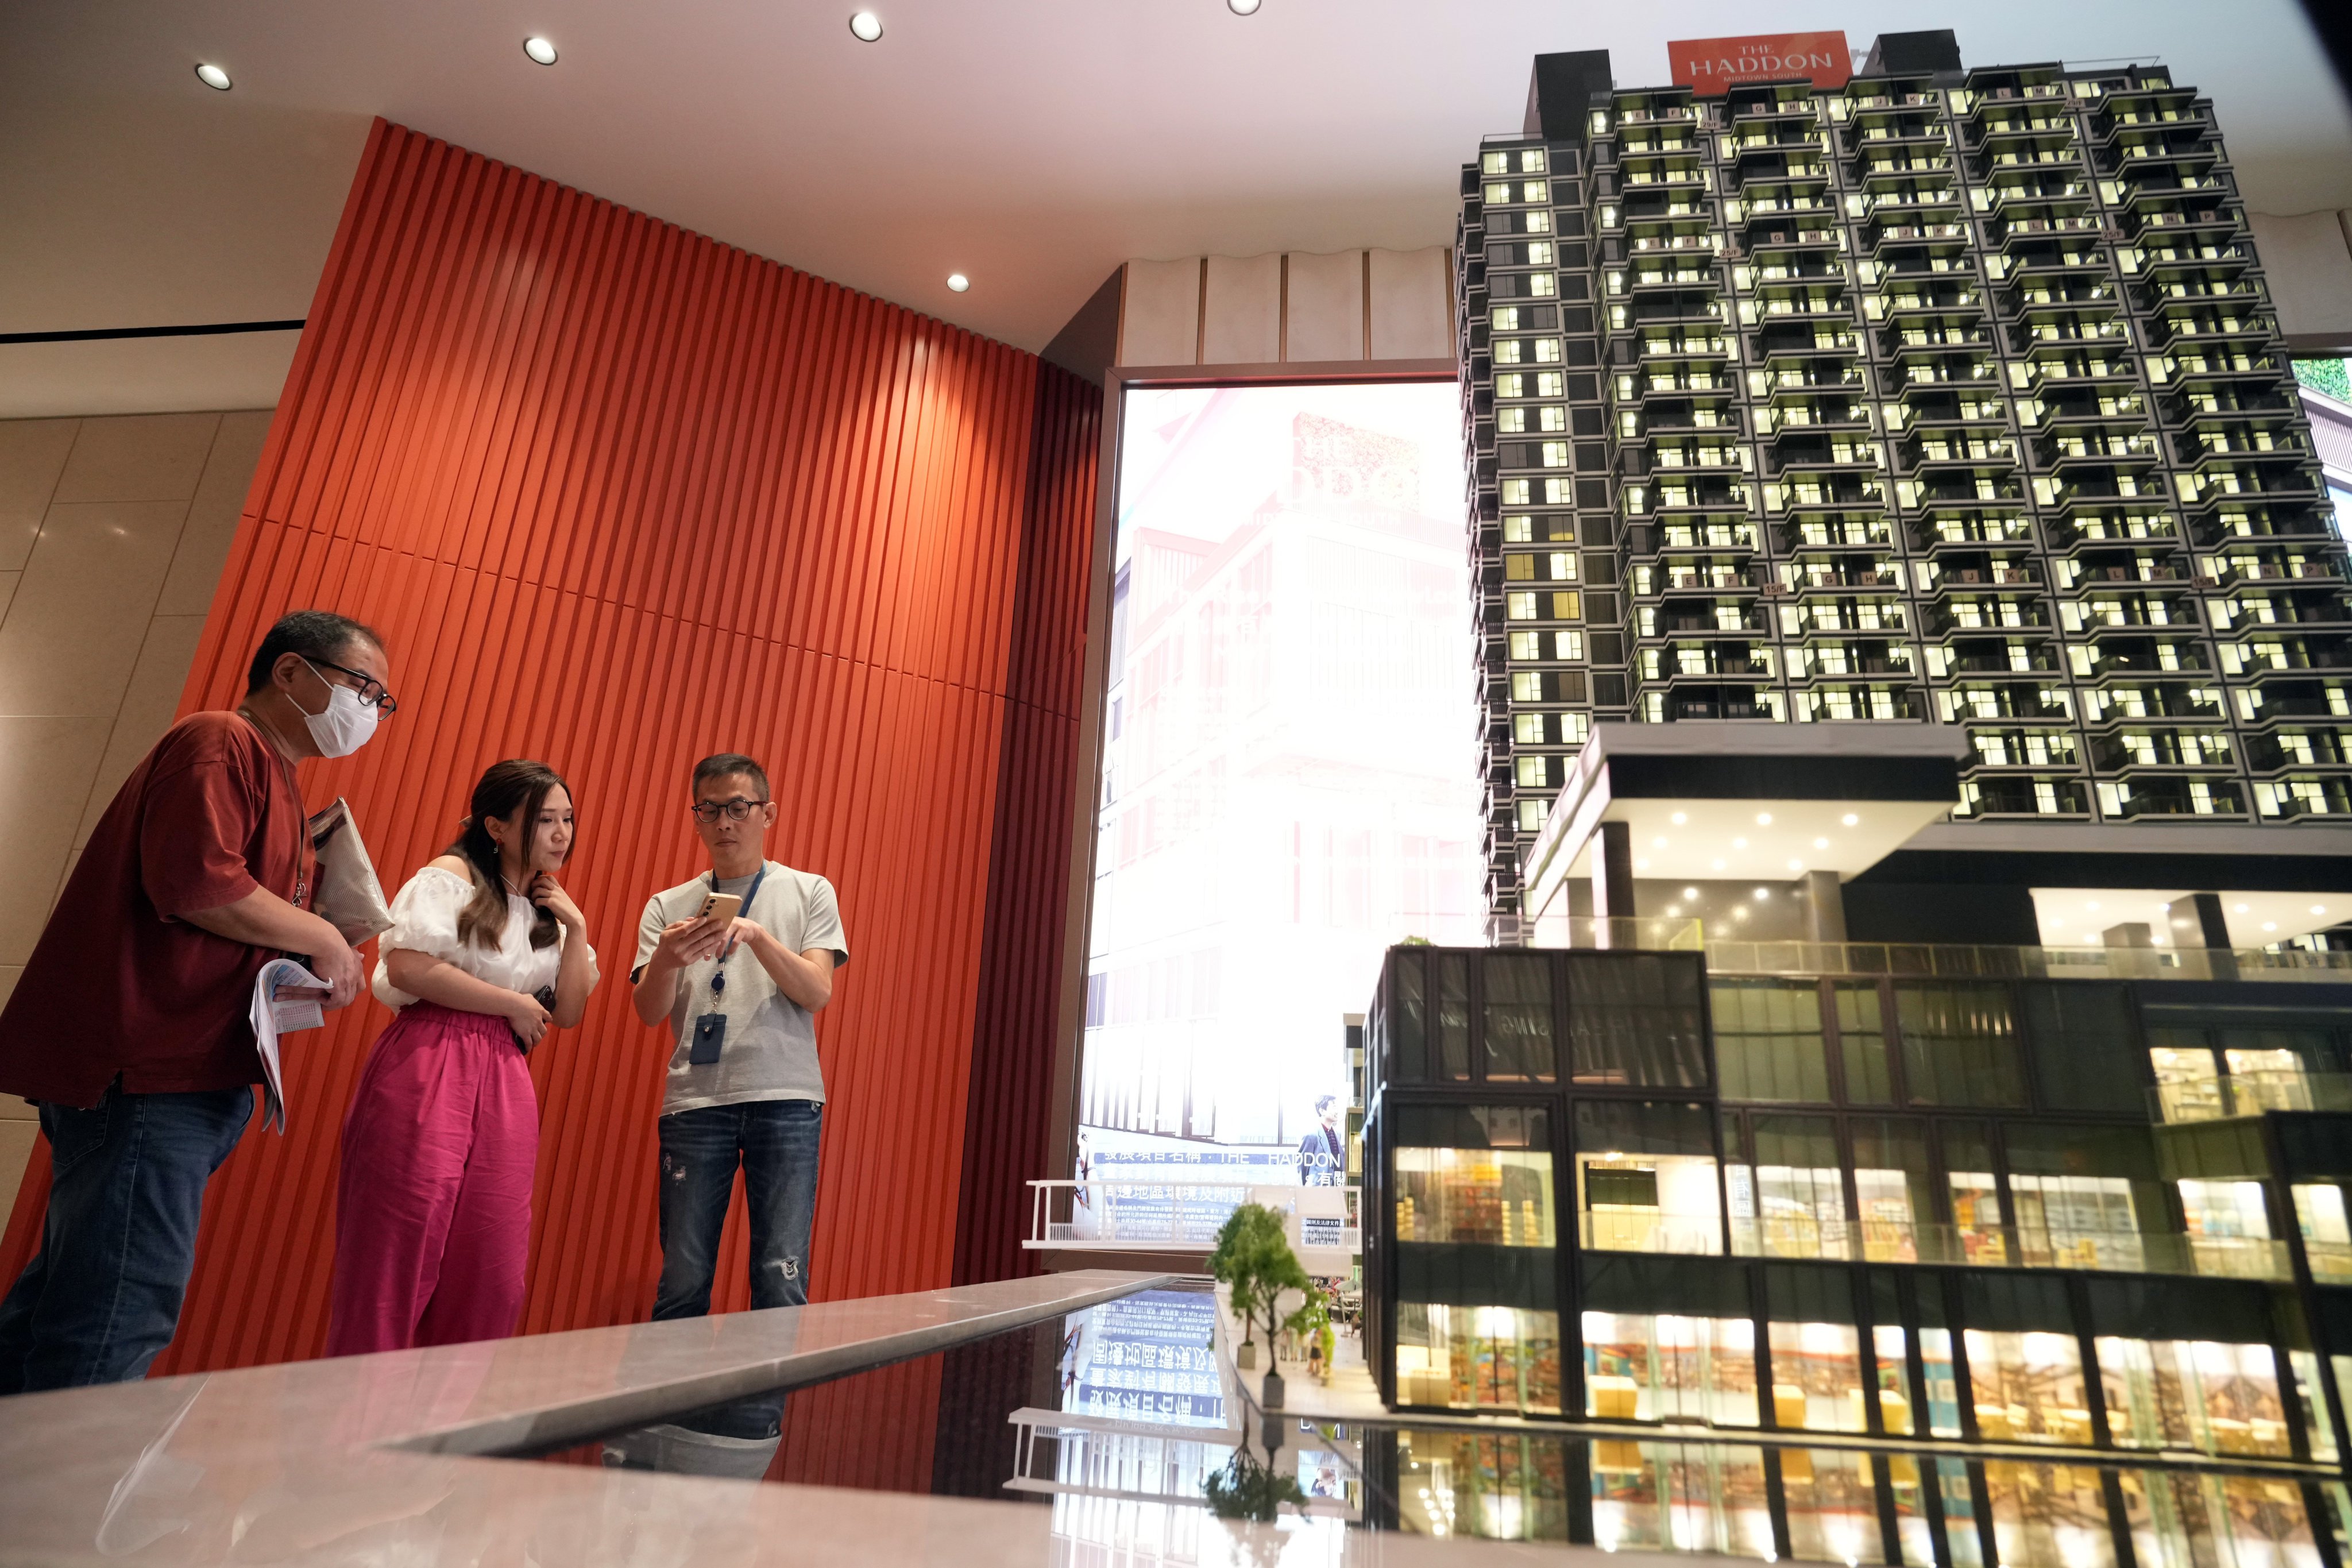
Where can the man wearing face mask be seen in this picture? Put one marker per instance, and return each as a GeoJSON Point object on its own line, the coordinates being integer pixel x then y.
{"type": "Point", "coordinates": [129, 1027]}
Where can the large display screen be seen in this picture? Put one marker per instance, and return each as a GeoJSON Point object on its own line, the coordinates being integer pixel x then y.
{"type": "Point", "coordinates": [1290, 771]}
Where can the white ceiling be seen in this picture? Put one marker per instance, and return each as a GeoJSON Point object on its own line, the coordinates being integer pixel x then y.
{"type": "Point", "coordinates": [1033, 145]}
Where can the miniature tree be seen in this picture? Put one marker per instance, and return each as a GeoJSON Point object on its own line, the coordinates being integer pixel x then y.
{"type": "Point", "coordinates": [1252, 1255]}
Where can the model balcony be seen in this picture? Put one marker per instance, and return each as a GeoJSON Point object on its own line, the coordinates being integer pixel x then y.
{"type": "Point", "coordinates": [1693, 385]}
{"type": "Point", "coordinates": [1880, 166]}
{"type": "Point", "coordinates": [2265, 656]}
{"type": "Point", "coordinates": [2075, 452]}
{"type": "Point", "coordinates": [1847, 703]}
{"type": "Point", "coordinates": [1959, 412]}
{"type": "Point", "coordinates": [2327, 798]}
{"type": "Point", "coordinates": [2002, 91]}
{"type": "Point", "coordinates": [2296, 530]}
{"type": "Point", "coordinates": [1709, 575]}
{"type": "Point", "coordinates": [1930, 339]}
{"type": "Point", "coordinates": [1779, 308]}
{"type": "Point", "coordinates": [2134, 657]}
{"type": "Point", "coordinates": [2231, 295]}
{"type": "Point", "coordinates": [1809, 535]}
{"type": "Point", "coordinates": [1962, 615]}
{"type": "Point", "coordinates": [2278, 697]}
{"type": "Point", "coordinates": [2062, 366]}
{"type": "Point", "coordinates": [2151, 216]}
{"type": "Point", "coordinates": [2060, 297]}
{"type": "Point", "coordinates": [1907, 301]}
{"type": "Point", "coordinates": [2151, 700]}
{"type": "Point", "coordinates": [1683, 170]}
{"type": "Point", "coordinates": [1900, 133]}
{"type": "Point", "coordinates": [2038, 749]}
{"type": "Point", "coordinates": [2191, 257]}
{"type": "Point", "coordinates": [2086, 525]}
{"type": "Point", "coordinates": [1934, 452]}
{"type": "Point", "coordinates": [1732, 619]}
{"type": "Point", "coordinates": [1671, 241]}
{"type": "Point", "coordinates": [2003, 796]}
{"type": "Point", "coordinates": [2014, 234]}
{"type": "Point", "coordinates": [1707, 661]}
{"type": "Point", "coordinates": [2161, 796]}
{"type": "Point", "coordinates": [1946, 371]}
{"type": "Point", "coordinates": [2236, 477]}
{"type": "Point", "coordinates": [2177, 327]}
{"type": "Point", "coordinates": [1808, 381]}
{"type": "Point", "coordinates": [2211, 368]}
{"type": "Point", "coordinates": [2019, 576]}
{"type": "Point", "coordinates": [2277, 603]}
{"type": "Point", "coordinates": [1798, 425]}
{"type": "Point", "coordinates": [2022, 128]}
{"type": "Point", "coordinates": [1892, 234]}
{"type": "Point", "coordinates": [1817, 661]}
{"type": "Point", "coordinates": [2172, 109]}
{"type": "Point", "coordinates": [1682, 536]}
{"type": "Point", "coordinates": [2284, 751]}
{"type": "Point", "coordinates": [1833, 617]}
{"type": "Point", "coordinates": [1723, 703]}
{"type": "Point", "coordinates": [1956, 527]}
{"type": "Point", "coordinates": [1807, 578]}
{"type": "Point", "coordinates": [2066, 409]}
{"type": "Point", "coordinates": [2075, 256]}
{"type": "Point", "coordinates": [1755, 176]}
{"type": "Point", "coordinates": [1913, 203]}
{"type": "Point", "coordinates": [2172, 749]}
{"type": "Point", "coordinates": [1965, 656]}
{"type": "Point", "coordinates": [1669, 308]}
{"type": "Point", "coordinates": [2232, 406]}
{"type": "Point", "coordinates": [1685, 345]}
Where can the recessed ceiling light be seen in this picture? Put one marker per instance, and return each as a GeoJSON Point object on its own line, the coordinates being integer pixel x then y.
{"type": "Point", "coordinates": [1739, 911]}
{"type": "Point", "coordinates": [866, 25]}
{"type": "Point", "coordinates": [1796, 865]}
{"type": "Point", "coordinates": [1719, 865]}
{"type": "Point", "coordinates": [1680, 817]}
{"type": "Point", "coordinates": [1850, 819]}
{"type": "Point", "coordinates": [2270, 925]}
{"type": "Point", "coordinates": [2238, 909]}
{"type": "Point", "coordinates": [1690, 893]}
{"type": "Point", "coordinates": [540, 50]}
{"type": "Point", "coordinates": [213, 76]}
{"type": "Point", "coordinates": [1242, 7]}
{"type": "Point", "coordinates": [1739, 844]}
{"type": "Point", "coordinates": [1659, 842]}
{"type": "Point", "coordinates": [1821, 843]}
{"type": "Point", "coordinates": [1674, 909]}
{"type": "Point", "coordinates": [2319, 908]}
{"type": "Point", "coordinates": [958, 282]}
{"type": "Point", "coordinates": [2092, 904]}
{"type": "Point", "coordinates": [1641, 865]}
{"type": "Point", "coordinates": [1763, 819]}
{"type": "Point", "coordinates": [1762, 893]}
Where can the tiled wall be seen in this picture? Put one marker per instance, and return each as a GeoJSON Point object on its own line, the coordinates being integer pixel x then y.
{"type": "Point", "coordinates": [112, 533]}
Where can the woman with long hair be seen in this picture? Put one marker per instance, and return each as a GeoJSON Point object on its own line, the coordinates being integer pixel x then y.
{"type": "Point", "coordinates": [486, 953]}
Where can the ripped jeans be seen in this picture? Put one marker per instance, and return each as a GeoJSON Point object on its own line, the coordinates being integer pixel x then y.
{"type": "Point", "coordinates": [775, 1142]}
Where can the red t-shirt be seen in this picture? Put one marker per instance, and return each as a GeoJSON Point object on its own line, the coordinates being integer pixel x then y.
{"type": "Point", "coordinates": [119, 983]}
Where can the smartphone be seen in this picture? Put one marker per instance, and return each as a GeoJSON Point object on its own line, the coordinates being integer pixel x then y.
{"type": "Point", "coordinates": [719, 907]}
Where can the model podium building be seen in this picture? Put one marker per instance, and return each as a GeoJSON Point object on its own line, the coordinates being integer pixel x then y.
{"type": "Point", "coordinates": [1949, 394]}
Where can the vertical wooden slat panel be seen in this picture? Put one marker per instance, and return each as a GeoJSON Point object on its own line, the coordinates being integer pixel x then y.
{"type": "Point", "coordinates": [619, 497]}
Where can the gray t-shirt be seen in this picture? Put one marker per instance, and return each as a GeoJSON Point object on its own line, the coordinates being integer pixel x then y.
{"type": "Point", "coordinates": [771, 1047]}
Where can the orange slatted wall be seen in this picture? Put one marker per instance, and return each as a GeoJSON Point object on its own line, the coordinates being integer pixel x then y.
{"type": "Point", "coordinates": [619, 495]}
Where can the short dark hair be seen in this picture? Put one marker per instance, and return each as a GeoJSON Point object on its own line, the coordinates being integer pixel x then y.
{"type": "Point", "coordinates": [724, 763]}
{"type": "Point", "coordinates": [1325, 1102]}
{"type": "Point", "coordinates": [316, 635]}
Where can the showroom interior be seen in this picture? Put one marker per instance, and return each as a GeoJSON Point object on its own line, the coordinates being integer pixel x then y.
{"type": "Point", "coordinates": [1681, 676]}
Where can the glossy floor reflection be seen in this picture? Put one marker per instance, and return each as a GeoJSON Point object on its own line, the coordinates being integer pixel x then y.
{"type": "Point", "coordinates": [1120, 1419]}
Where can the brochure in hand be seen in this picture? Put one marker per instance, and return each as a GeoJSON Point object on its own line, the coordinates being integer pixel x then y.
{"type": "Point", "coordinates": [274, 1016]}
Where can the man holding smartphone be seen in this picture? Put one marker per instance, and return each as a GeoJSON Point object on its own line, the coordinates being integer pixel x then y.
{"type": "Point", "coordinates": [739, 992]}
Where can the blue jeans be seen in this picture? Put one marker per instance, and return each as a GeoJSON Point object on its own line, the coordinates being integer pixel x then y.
{"type": "Point", "coordinates": [101, 1298]}
{"type": "Point", "coordinates": [776, 1142]}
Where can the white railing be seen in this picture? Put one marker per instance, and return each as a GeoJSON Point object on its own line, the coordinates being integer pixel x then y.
{"type": "Point", "coordinates": [1128, 1215]}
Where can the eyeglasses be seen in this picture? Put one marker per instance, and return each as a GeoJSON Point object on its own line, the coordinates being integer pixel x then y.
{"type": "Point", "coordinates": [736, 810]}
{"type": "Point", "coordinates": [372, 693]}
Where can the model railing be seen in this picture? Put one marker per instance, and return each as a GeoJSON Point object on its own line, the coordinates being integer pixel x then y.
{"type": "Point", "coordinates": [1988, 1246]}
{"type": "Point", "coordinates": [1649, 933]}
{"type": "Point", "coordinates": [1130, 1215]}
{"type": "Point", "coordinates": [1954, 961]}
{"type": "Point", "coordinates": [2249, 1094]}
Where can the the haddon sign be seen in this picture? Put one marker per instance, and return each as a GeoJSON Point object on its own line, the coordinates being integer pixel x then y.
{"type": "Point", "coordinates": [1710, 65]}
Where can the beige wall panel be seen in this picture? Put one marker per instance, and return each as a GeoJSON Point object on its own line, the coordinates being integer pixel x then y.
{"type": "Point", "coordinates": [32, 456]}
{"type": "Point", "coordinates": [98, 566]}
{"type": "Point", "coordinates": [147, 708]}
{"type": "Point", "coordinates": [1412, 306]}
{"type": "Point", "coordinates": [212, 516]}
{"type": "Point", "coordinates": [1325, 306]}
{"type": "Point", "coordinates": [46, 767]}
{"type": "Point", "coordinates": [2308, 262]}
{"type": "Point", "coordinates": [140, 376]}
{"type": "Point", "coordinates": [149, 457]}
{"type": "Point", "coordinates": [1244, 310]}
{"type": "Point", "coordinates": [1161, 320]}
{"type": "Point", "coordinates": [8, 591]}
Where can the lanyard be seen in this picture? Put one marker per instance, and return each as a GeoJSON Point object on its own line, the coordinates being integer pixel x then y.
{"type": "Point", "coordinates": [719, 975]}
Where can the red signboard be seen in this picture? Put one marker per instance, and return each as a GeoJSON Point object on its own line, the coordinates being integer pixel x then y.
{"type": "Point", "coordinates": [1712, 66]}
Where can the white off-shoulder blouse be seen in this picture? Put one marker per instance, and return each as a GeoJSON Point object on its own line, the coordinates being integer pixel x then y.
{"type": "Point", "coordinates": [425, 919]}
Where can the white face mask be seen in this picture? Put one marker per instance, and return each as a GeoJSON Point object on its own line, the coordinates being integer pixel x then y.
{"type": "Point", "coordinates": [345, 726]}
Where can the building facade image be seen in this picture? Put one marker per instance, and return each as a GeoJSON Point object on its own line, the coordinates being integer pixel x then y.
{"type": "Point", "coordinates": [1948, 395]}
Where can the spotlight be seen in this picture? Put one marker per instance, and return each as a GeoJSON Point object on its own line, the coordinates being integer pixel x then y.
{"type": "Point", "coordinates": [1739, 911]}
{"type": "Point", "coordinates": [1763, 819]}
{"type": "Point", "coordinates": [1242, 7]}
{"type": "Point", "coordinates": [1796, 865]}
{"type": "Point", "coordinates": [2270, 925]}
{"type": "Point", "coordinates": [2091, 904]}
{"type": "Point", "coordinates": [1761, 894]}
{"type": "Point", "coordinates": [1850, 819]}
{"type": "Point", "coordinates": [1659, 842]}
{"type": "Point", "coordinates": [866, 26]}
{"type": "Point", "coordinates": [2319, 908]}
{"type": "Point", "coordinates": [2238, 909]}
{"type": "Point", "coordinates": [1719, 865]}
{"type": "Point", "coordinates": [1821, 843]}
{"type": "Point", "coordinates": [1739, 844]}
{"type": "Point", "coordinates": [1674, 909]}
{"type": "Point", "coordinates": [1641, 865]}
{"type": "Point", "coordinates": [958, 282]}
{"type": "Point", "coordinates": [540, 50]}
{"type": "Point", "coordinates": [1680, 817]}
{"type": "Point", "coordinates": [215, 78]}
{"type": "Point", "coordinates": [1691, 894]}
